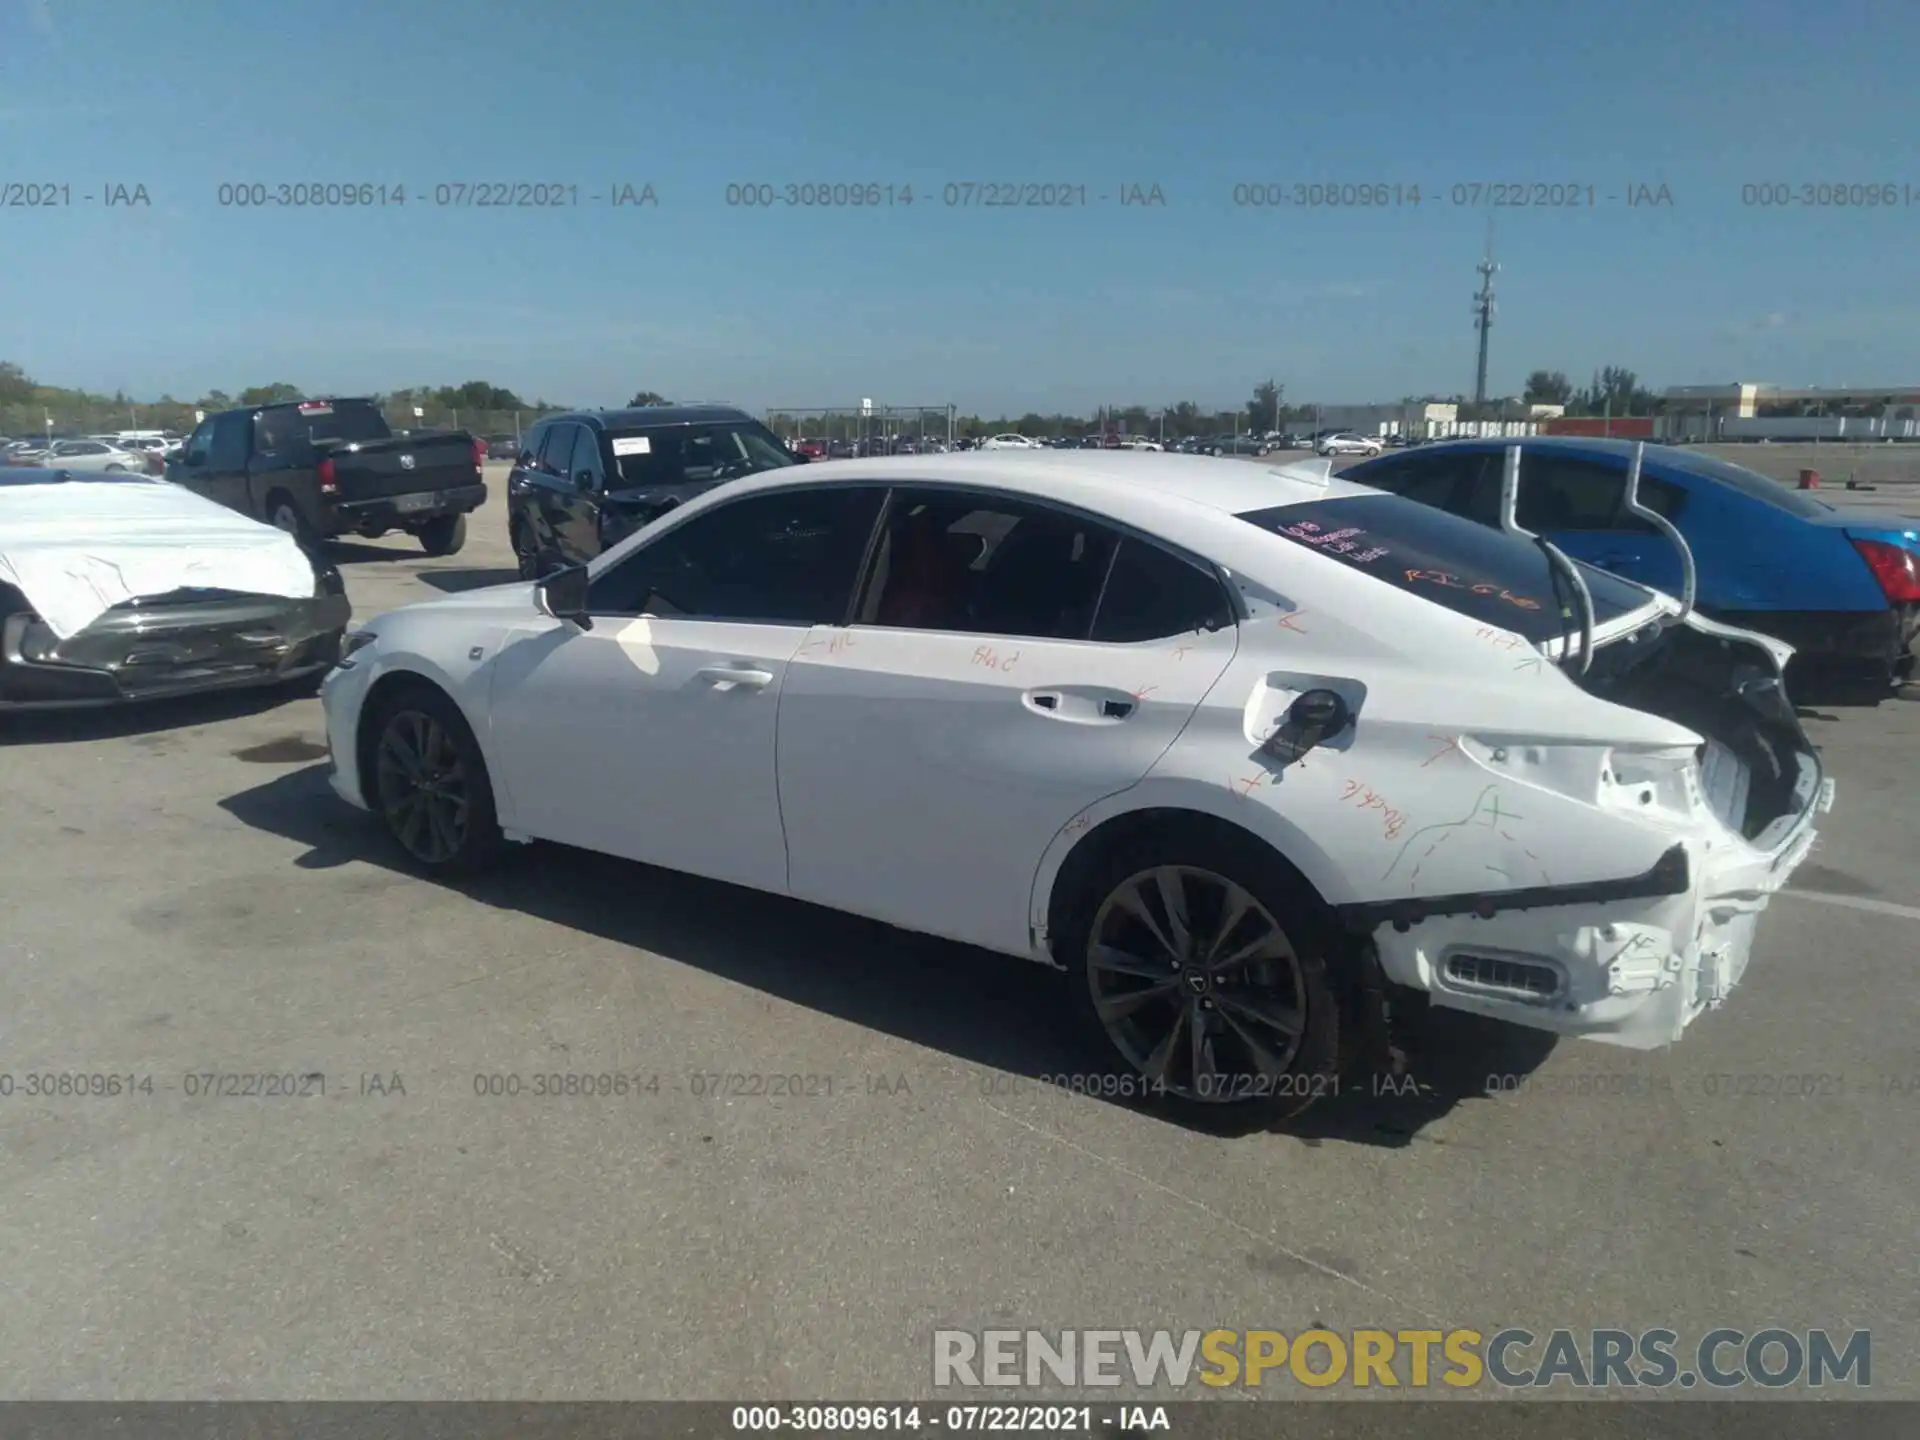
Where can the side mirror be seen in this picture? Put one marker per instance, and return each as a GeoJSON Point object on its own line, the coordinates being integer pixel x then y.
{"type": "Point", "coordinates": [1313, 719]}
{"type": "Point", "coordinates": [563, 595]}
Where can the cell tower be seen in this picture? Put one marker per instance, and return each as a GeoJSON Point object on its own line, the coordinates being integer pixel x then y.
{"type": "Point", "coordinates": [1483, 310]}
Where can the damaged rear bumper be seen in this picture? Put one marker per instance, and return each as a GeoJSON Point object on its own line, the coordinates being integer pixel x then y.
{"type": "Point", "coordinates": [1629, 962]}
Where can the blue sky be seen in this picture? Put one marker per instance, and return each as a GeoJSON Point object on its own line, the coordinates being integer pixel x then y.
{"type": "Point", "coordinates": [994, 310]}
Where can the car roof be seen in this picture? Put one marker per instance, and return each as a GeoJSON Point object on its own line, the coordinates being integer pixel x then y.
{"type": "Point", "coordinates": [1130, 486]}
{"type": "Point", "coordinates": [642, 417]}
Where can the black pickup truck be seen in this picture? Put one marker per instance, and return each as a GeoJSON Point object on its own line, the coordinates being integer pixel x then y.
{"type": "Point", "coordinates": [322, 468]}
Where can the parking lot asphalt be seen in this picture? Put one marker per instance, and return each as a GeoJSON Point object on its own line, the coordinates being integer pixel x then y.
{"type": "Point", "coordinates": [184, 897]}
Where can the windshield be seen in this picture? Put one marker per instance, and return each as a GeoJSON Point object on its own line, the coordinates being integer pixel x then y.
{"type": "Point", "coordinates": [689, 454]}
{"type": "Point", "coordinates": [1486, 575]}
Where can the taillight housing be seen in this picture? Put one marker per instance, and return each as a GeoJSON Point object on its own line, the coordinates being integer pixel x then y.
{"type": "Point", "coordinates": [329, 478]}
{"type": "Point", "coordinates": [1895, 568]}
{"type": "Point", "coordinates": [479, 454]}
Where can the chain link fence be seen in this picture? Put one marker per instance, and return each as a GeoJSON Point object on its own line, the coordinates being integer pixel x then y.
{"type": "Point", "coordinates": [864, 429]}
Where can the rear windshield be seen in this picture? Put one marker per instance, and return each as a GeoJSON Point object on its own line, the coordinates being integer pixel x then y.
{"type": "Point", "coordinates": [350, 421]}
{"type": "Point", "coordinates": [1486, 575]}
{"type": "Point", "coordinates": [1749, 482]}
{"type": "Point", "coordinates": [686, 454]}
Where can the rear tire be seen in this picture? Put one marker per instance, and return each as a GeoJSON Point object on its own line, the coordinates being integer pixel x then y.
{"type": "Point", "coordinates": [426, 780]}
{"type": "Point", "coordinates": [445, 535]}
{"type": "Point", "coordinates": [282, 514]}
{"type": "Point", "coordinates": [1244, 971]}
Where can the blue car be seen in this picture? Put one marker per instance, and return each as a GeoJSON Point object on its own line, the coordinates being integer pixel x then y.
{"type": "Point", "coordinates": [1842, 586]}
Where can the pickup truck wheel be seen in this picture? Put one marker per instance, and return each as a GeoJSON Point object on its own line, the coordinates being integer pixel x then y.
{"type": "Point", "coordinates": [1198, 972]}
{"type": "Point", "coordinates": [445, 535]}
{"type": "Point", "coordinates": [283, 514]}
{"type": "Point", "coordinates": [430, 786]}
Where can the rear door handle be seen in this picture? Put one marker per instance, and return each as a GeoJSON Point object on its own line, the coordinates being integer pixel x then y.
{"type": "Point", "coordinates": [1116, 709]}
{"type": "Point", "coordinates": [745, 676]}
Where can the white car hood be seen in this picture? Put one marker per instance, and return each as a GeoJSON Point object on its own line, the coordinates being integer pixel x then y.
{"type": "Point", "coordinates": [78, 549]}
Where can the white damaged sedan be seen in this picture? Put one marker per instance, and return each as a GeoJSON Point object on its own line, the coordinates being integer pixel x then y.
{"type": "Point", "coordinates": [1254, 755]}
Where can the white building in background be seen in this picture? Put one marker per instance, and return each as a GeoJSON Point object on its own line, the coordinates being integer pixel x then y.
{"type": "Point", "coordinates": [1732, 412]}
{"type": "Point", "coordinates": [1419, 420]}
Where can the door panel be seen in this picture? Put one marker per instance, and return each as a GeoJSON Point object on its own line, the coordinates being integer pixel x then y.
{"type": "Point", "coordinates": [648, 738]}
{"type": "Point", "coordinates": [922, 774]}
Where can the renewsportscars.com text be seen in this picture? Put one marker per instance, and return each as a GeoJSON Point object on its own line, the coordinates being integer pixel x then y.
{"type": "Point", "coordinates": [1512, 1358]}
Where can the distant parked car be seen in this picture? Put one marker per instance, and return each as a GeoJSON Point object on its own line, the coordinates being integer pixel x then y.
{"type": "Point", "coordinates": [587, 480]}
{"type": "Point", "coordinates": [502, 447]}
{"type": "Point", "coordinates": [1347, 443]}
{"type": "Point", "coordinates": [99, 456]}
{"type": "Point", "coordinates": [1238, 445]}
{"type": "Point", "coordinates": [1842, 586]}
{"type": "Point", "coordinates": [1009, 441]}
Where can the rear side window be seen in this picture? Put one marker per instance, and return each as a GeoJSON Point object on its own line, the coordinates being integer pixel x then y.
{"type": "Point", "coordinates": [984, 565]}
{"type": "Point", "coordinates": [1482, 573]}
{"type": "Point", "coordinates": [1559, 493]}
{"type": "Point", "coordinates": [1153, 594]}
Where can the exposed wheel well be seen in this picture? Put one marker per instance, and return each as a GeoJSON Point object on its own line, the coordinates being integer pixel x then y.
{"type": "Point", "coordinates": [1085, 859]}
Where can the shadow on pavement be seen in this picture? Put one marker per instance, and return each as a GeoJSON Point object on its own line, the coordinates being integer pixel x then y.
{"type": "Point", "coordinates": [988, 1009]}
{"type": "Point", "coordinates": [454, 581]}
{"type": "Point", "coordinates": [146, 717]}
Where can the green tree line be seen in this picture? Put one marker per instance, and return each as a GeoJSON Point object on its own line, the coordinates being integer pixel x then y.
{"type": "Point", "coordinates": [29, 408]}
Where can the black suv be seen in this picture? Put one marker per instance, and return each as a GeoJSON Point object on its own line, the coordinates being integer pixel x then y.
{"type": "Point", "coordinates": [587, 480]}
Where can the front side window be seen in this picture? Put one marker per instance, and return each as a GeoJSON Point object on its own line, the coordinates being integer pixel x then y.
{"type": "Point", "coordinates": [529, 455]}
{"type": "Point", "coordinates": [586, 455]}
{"type": "Point", "coordinates": [229, 448]}
{"type": "Point", "coordinates": [194, 452]}
{"type": "Point", "coordinates": [788, 557]}
{"type": "Point", "coordinates": [558, 449]}
{"type": "Point", "coordinates": [1471, 569]}
{"type": "Point", "coordinates": [985, 565]}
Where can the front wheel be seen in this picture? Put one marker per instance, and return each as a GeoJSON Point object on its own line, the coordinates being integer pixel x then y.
{"type": "Point", "coordinates": [1200, 971]}
{"type": "Point", "coordinates": [445, 535]}
{"type": "Point", "coordinates": [430, 785]}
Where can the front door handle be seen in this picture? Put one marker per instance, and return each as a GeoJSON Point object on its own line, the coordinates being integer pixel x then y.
{"type": "Point", "coordinates": [745, 676]}
{"type": "Point", "coordinates": [1116, 709]}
